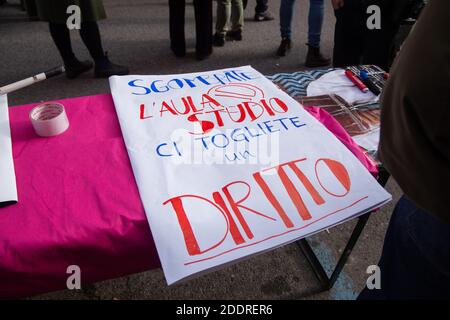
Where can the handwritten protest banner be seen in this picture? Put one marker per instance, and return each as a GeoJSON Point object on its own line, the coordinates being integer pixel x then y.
{"type": "Point", "coordinates": [228, 165]}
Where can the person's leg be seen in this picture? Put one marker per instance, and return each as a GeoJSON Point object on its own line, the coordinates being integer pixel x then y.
{"type": "Point", "coordinates": [314, 57]}
{"type": "Point", "coordinates": [222, 19]}
{"type": "Point", "coordinates": [261, 6]}
{"type": "Point", "coordinates": [61, 37]}
{"type": "Point", "coordinates": [203, 27]}
{"type": "Point", "coordinates": [348, 34]}
{"type": "Point", "coordinates": [315, 22]}
{"type": "Point", "coordinates": [286, 15]}
{"type": "Point", "coordinates": [237, 15]}
{"type": "Point", "coordinates": [262, 11]}
{"type": "Point", "coordinates": [415, 262]}
{"type": "Point", "coordinates": [176, 27]}
{"type": "Point", "coordinates": [90, 34]}
{"type": "Point", "coordinates": [236, 21]}
{"type": "Point", "coordinates": [30, 6]}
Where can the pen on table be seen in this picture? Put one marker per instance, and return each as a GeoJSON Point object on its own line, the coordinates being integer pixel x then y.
{"type": "Point", "coordinates": [353, 78]}
{"type": "Point", "coordinates": [382, 73]}
{"type": "Point", "coordinates": [31, 80]}
{"type": "Point", "coordinates": [385, 75]}
{"type": "Point", "coordinates": [364, 75]}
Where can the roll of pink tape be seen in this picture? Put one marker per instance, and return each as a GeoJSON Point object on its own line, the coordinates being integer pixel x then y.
{"type": "Point", "coordinates": [49, 119]}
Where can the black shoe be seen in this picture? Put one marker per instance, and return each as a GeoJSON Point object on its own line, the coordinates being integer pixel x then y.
{"type": "Point", "coordinates": [179, 51]}
{"type": "Point", "coordinates": [264, 16]}
{"type": "Point", "coordinates": [314, 58]}
{"type": "Point", "coordinates": [234, 35]}
{"type": "Point", "coordinates": [218, 40]}
{"type": "Point", "coordinates": [75, 67]}
{"type": "Point", "coordinates": [105, 68]}
{"type": "Point", "coordinates": [285, 47]}
{"type": "Point", "coordinates": [202, 55]}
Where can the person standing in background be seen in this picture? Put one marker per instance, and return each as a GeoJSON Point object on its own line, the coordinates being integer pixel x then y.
{"type": "Point", "coordinates": [203, 27]}
{"type": "Point", "coordinates": [261, 10]}
{"type": "Point", "coordinates": [229, 12]}
{"type": "Point", "coordinates": [314, 57]}
{"type": "Point", "coordinates": [415, 149]}
{"type": "Point", "coordinates": [354, 42]}
{"type": "Point", "coordinates": [54, 11]}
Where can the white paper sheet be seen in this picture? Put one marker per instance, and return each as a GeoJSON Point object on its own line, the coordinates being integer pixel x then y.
{"type": "Point", "coordinates": [8, 190]}
{"type": "Point", "coordinates": [264, 172]}
{"type": "Point", "coordinates": [336, 82]}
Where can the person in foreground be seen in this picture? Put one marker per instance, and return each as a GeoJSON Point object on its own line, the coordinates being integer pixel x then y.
{"type": "Point", "coordinates": [54, 11]}
{"type": "Point", "coordinates": [415, 148]}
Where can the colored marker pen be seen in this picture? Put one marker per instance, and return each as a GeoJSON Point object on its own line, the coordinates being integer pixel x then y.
{"type": "Point", "coordinates": [369, 83]}
{"type": "Point", "coordinates": [353, 78]}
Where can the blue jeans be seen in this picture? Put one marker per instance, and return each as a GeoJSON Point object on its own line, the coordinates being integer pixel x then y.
{"type": "Point", "coordinates": [415, 262]}
{"type": "Point", "coordinates": [315, 20]}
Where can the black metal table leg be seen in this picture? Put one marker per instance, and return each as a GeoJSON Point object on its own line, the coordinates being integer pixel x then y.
{"type": "Point", "coordinates": [362, 221]}
{"type": "Point", "coordinates": [326, 283]}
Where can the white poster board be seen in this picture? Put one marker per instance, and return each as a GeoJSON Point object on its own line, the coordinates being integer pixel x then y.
{"type": "Point", "coordinates": [228, 165]}
{"type": "Point", "coordinates": [8, 190]}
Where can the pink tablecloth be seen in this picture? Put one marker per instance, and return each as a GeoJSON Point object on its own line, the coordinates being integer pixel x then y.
{"type": "Point", "coordinates": [78, 202]}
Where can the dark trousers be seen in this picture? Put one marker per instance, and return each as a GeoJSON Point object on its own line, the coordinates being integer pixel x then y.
{"type": "Point", "coordinates": [203, 25]}
{"type": "Point", "coordinates": [261, 5]}
{"type": "Point", "coordinates": [90, 34]}
{"type": "Point", "coordinates": [354, 43]}
{"type": "Point", "coordinates": [30, 7]}
{"type": "Point", "coordinates": [415, 262]}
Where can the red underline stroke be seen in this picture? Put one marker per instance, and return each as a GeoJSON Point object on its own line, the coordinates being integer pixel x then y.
{"type": "Point", "coordinates": [277, 235]}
